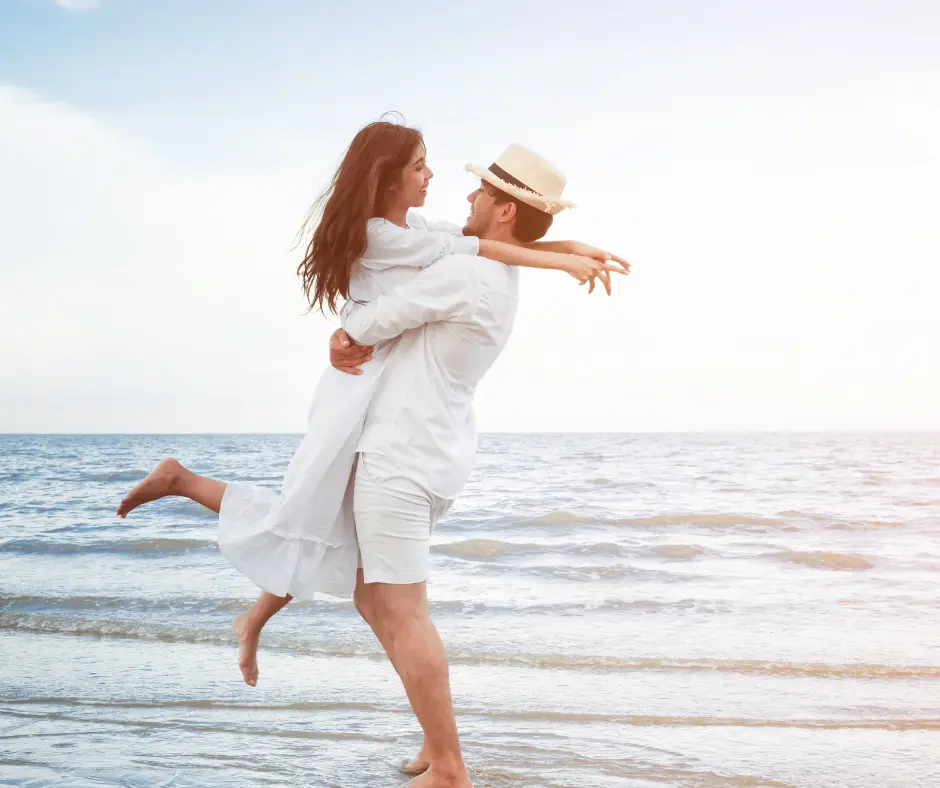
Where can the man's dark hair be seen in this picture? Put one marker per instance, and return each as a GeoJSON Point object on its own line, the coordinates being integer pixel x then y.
{"type": "Point", "coordinates": [531, 223]}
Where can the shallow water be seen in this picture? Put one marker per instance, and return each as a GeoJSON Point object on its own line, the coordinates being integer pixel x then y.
{"type": "Point", "coordinates": [701, 611]}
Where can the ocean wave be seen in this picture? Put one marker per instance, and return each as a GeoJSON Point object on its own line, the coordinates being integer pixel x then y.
{"type": "Point", "coordinates": [133, 475]}
{"type": "Point", "coordinates": [679, 551]}
{"type": "Point", "coordinates": [35, 604]}
{"type": "Point", "coordinates": [190, 726]}
{"type": "Point", "coordinates": [608, 604]}
{"type": "Point", "coordinates": [136, 546]}
{"type": "Point", "coordinates": [494, 548]}
{"type": "Point", "coordinates": [582, 574]}
{"type": "Point", "coordinates": [596, 548]}
{"type": "Point", "coordinates": [699, 520]}
{"type": "Point", "coordinates": [825, 560]}
{"type": "Point", "coordinates": [635, 720]}
{"type": "Point", "coordinates": [137, 630]}
{"type": "Point", "coordinates": [558, 518]}
{"type": "Point", "coordinates": [831, 521]}
{"type": "Point", "coordinates": [177, 605]}
{"type": "Point", "coordinates": [724, 520]}
{"type": "Point", "coordinates": [573, 572]}
{"type": "Point", "coordinates": [59, 625]}
{"type": "Point", "coordinates": [862, 525]}
{"type": "Point", "coordinates": [482, 548]}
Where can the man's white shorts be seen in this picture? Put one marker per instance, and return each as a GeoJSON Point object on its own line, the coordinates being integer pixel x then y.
{"type": "Point", "coordinates": [394, 520]}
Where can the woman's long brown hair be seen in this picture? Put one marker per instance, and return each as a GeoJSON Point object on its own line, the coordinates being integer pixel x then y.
{"type": "Point", "coordinates": [373, 161]}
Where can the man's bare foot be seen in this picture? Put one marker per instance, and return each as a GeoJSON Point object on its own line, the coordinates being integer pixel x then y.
{"type": "Point", "coordinates": [161, 482]}
{"type": "Point", "coordinates": [432, 779]}
{"type": "Point", "coordinates": [247, 648]}
{"type": "Point", "coordinates": [420, 764]}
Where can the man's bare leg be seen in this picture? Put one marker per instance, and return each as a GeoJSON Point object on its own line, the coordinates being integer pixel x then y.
{"type": "Point", "coordinates": [416, 652]}
{"type": "Point", "coordinates": [248, 626]}
{"type": "Point", "coordinates": [171, 478]}
{"type": "Point", "coordinates": [364, 599]}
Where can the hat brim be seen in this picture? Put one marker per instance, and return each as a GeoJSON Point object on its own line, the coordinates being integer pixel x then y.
{"type": "Point", "coordinates": [544, 204]}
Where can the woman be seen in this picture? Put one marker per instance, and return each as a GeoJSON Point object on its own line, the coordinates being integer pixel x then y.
{"type": "Point", "coordinates": [366, 241]}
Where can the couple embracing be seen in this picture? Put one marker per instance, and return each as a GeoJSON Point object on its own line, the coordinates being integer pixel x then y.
{"type": "Point", "coordinates": [391, 439]}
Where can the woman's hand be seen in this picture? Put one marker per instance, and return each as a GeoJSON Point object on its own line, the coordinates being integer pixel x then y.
{"type": "Point", "coordinates": [347, 356]}
{"type": "Point", "coordinates": [586, 268]}
{"type": "Point", "coordinates": [586, 250]}
{"type": "Point", "coordinates": [601, 255]}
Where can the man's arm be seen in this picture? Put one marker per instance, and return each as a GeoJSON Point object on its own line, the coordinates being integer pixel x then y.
{"type": "Point", "coordinates": [345, 356]}
{"type": "Point", "coordinates": [447, 291]}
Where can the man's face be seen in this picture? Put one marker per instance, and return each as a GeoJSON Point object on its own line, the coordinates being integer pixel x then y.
{"type": "Point", "coordinates": [484, 211]}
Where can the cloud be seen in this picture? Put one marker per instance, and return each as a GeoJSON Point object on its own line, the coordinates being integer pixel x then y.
{"type": "Point", "coordinates": [78, 5]}
{"type": "Point", "coordinates": [783, 281]}
{"type": "Point", "coordinates": [139, 297]}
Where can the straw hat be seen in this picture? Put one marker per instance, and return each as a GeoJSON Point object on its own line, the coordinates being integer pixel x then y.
{"type": "Point", "coordinates": [525, 175]}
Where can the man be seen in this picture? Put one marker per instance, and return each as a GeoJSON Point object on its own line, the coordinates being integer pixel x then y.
{"type": "Point", "coordinates": [409, 435]}
{"type": "Point", "coordinates": [419, 440]}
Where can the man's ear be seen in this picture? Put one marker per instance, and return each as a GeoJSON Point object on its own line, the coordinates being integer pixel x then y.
{"type": "Point", "coordinates": [507, 212]}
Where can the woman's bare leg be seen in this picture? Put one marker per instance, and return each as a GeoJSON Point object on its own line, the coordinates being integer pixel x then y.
{"type": "Point", "coordinates": [248, 626]}
{"type": "Point", "coordinates": [171, 478]}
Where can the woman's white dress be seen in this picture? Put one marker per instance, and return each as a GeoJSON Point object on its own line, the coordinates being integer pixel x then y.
{"type": "Point", "coordinates": [303, 541]}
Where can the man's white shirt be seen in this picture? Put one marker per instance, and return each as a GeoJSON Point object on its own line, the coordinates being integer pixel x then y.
{"type": "Point", "coordinates": [454, 319]}
{"type": "Point", "coordinates": [413, 403]}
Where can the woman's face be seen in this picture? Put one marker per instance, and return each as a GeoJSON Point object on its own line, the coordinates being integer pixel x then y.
{"type": "Point", "coordinates": [412, 188]}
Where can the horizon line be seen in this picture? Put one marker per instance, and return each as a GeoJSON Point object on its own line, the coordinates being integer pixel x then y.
{"type": "Point", "coordinates": [823, 431]}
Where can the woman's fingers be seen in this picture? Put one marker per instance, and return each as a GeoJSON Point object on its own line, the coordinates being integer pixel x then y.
{"type": "Point", "coordinates": [605, 280]}
{"type": "Point", "coordinates": [623, 263]}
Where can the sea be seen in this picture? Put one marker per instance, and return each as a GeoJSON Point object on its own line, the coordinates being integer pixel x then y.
{"type": "Point", "coordinates": [696, 611]}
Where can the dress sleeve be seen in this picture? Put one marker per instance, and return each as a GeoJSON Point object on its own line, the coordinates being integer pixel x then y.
{"type": "Point", "coordinates": [444, 292]}
{"type": "Point", "coordinates": [446, 227]}
{"type": "Point", "coordinates": [418, 221]}
{"type": "Point", "coordinates": [390, 245]}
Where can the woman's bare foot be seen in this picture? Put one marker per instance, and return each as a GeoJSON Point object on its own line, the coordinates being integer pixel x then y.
{"type": "Point", "coordinates": [162, 481]}
{"type": "Point", "coordinates": [247, 648]}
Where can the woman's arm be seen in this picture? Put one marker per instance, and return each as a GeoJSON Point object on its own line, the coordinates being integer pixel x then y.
{"type": "Point", "coordinates": [582, 267]}
{"type": "Point", "coordinates": [576, 247]}
{"type": "Point", "coordinates": [551, 246]}
{"type": "Point", "coordinates": [390, 246]}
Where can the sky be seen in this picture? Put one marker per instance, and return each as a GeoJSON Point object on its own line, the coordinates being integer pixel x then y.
{"type": "Point", "coordinates": [770, 170]}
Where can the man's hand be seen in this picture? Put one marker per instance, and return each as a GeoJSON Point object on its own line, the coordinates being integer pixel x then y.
{"type": "Point", "coordinates": [346, 356]}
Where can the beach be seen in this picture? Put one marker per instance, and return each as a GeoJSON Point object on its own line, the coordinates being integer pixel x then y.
{"type": "Point", "coordinates": [619, 610]}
